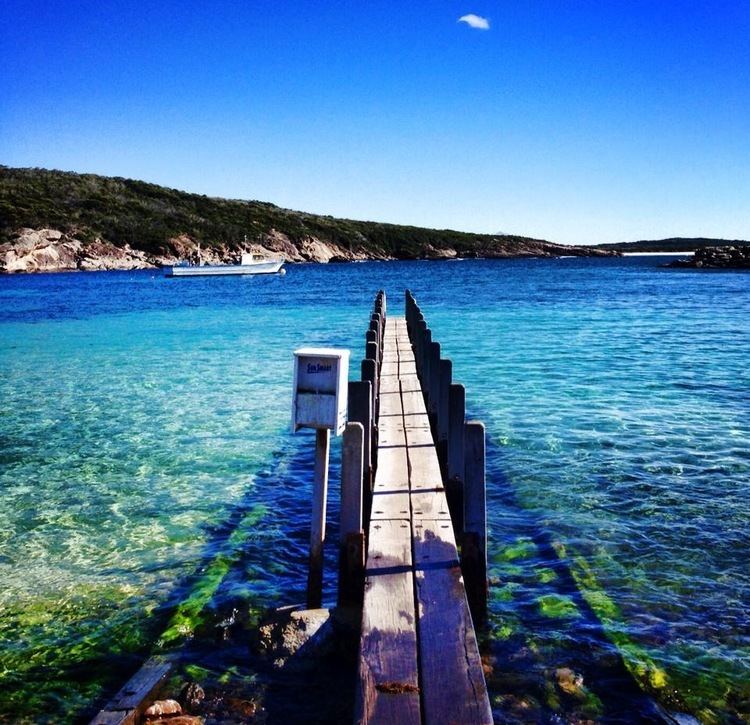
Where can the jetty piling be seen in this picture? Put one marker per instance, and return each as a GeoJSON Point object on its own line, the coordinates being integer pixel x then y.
{"type": "Point", "coordinates": [352, 541]}
{"type": "Point", "coordinates": [360, 411]}
{"type": "Point", "coordinates": [474, 539]}
{"type": "Point", "coordinates": [318, 519]}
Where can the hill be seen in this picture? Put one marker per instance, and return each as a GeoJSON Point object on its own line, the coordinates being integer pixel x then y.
{"type": "Point", "coordinates": [673, 244]}
{"type": "Point", "coordinates": [62, 220]}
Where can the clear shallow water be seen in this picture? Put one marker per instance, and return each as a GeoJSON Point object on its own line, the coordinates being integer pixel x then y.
{"type": "Point", "coordinates": [146, 463]}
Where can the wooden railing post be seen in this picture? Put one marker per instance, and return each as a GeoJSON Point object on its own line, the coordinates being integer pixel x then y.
{"type": "Point", "coordinates": [424, 372]}
{"type": "Point", "coordinates": [454, 483]}
{"type": "Point", "coordinates": [474, 541]}
{"type": "Point", "coordinates": [360, 411]}
{"type": "Point", "coordinates": [433, 380]}
{"type": "Point", "coordinates": [376, 324]}
{"type": "Point", "coordinates": [370, 374]}
{"type": "Point", "coordinates": [444, 385]}
{"type": "Point", "coordinates": [371, 336]}
{"type": "Point", "coordinates": [419, 340]}
{"type": "Point", "coordinates": [352, 541]}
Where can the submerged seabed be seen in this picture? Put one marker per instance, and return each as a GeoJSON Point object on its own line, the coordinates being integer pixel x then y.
{"type": "Point", "coordinates": [147, 470]}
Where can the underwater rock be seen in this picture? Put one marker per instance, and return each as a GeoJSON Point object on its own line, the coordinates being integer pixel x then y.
{"type": "Point", "coordinates": [303, 634]}
{"type": "Point", "coordinates": [191, 695]}
{"type": "Point", "coordinates": [163, 707]}
{"type": "Point", "coordinates": [300, 638]}
{"type": "Point", "coordinates": [571, 683]}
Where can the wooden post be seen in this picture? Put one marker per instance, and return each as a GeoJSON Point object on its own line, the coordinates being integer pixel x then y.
{"type": "Point", "coordinates": [376, 323]}
{"type": "Point", "coordinates": [444, 385]}
{"type": "Point", "coordinates": [454, 484]}
{"type": "Point", "coordinates": [371, 351]}
{"type": "Point", "coordinates": [318, 525]}
{"type": "Point", "coordinates": [409, 305]}
{"type": "Point", "coordinates": [424, 374]}
{"type": "Point", "coordinates": [352, 541]}
{"type": "Point", "coordinates": [360, 411]}
{"type": "Point", "coordinates": [433, 382]}
{"type": "Point", "coordinates": [370, 373]}
{"type": "Point", "coordinates": [474, 543]}
{"type": "Point", "coordinates": [421, 338]}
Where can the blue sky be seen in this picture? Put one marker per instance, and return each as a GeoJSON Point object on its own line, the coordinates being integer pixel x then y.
{"type": "Point", "coordinates": [577, 121]}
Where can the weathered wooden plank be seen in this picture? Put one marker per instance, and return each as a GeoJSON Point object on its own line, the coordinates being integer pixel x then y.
{"type": "Point", "coordinates": [115, 717]}
{"type": "Point", "coordinates": [424, 468]}
{"type": "Point", "coordinates": [412, 400]}
{"type": "Point", "coordinates": [407, 367]}
{"type": "Point", "coordinates": [390, 404]}
{"type": "Point", "coordinates": [409, 384]}
{"type": "Point", "coordinates": [141, 684]}
{"type": "Point", "coordinates": [429, 503]}
{"type": "Point", "coordinates": [391, 431]}
{"type": "Point", "coordinates": [389, 384]}
{"type": "Point", "coordinates": [393, 470]}
{"type": "Point", "coordinates": [418, 432]}
{"type": "Point", "coordinates": [388, 689]}
{"type": "Point", "coordinates": [451, 676]}
{"type": "Point", "coordinates": [390, 503]}
{"type": "Point", "coordinates": [389, 367]}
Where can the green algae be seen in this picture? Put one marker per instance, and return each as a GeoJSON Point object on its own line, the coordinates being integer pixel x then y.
{"type": "Point", "coordinates": [545, 575]}
{"type": "Point", "coordinates": [504, 593]}
{"type": "Point", "coordinates": [522, 549]}
{"type": "Point", "coordinates": [189, 614]}
{"type": "Point", "coordinates": [557, 605]}
{"type": "Point", "coordinates": [93, 618]}
{"type": "Point", "coordinates": [508, 627]}
{"type": "Point", "coordinates": [705, 693]}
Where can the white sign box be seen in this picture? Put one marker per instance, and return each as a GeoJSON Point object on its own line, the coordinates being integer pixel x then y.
{"type": "Point", "coordinates": [321, 379]}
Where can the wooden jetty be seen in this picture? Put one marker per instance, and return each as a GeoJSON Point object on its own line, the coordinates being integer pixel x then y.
{"type": "Point", "coordinates": [419, 661]}
{"type": "Point", "coordinates": [413, 538]}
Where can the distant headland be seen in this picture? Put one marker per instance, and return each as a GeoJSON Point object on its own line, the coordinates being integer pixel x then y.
{"type": "Point", "coordinates": [55, 221]}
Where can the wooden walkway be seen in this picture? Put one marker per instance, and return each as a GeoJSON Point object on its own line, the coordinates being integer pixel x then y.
{"type": "Point", "coordinates": [419, 661]}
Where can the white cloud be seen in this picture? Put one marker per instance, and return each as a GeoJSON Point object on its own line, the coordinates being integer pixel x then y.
{"type": "Point", "coordinates": [475, 21]}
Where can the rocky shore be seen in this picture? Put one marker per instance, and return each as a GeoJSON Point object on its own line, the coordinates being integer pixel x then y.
{"type": "Point", "coordinates": [729, 257]}
{"type": "Point", "coordinates": [51, 250]}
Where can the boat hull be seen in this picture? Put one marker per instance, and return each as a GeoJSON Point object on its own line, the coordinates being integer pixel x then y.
{"type": "Point", "coordinates": [222, 270]}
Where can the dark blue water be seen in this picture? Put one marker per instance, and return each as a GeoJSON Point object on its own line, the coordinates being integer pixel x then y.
{"type": "Point", "coordinates": [148, 474]}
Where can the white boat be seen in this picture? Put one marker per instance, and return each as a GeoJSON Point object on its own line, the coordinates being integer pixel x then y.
{"type": "Point", "coordinates": [249, 264]}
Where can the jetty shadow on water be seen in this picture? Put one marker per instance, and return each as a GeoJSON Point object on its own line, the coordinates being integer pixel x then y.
{"type": "Point", "coordinates": [255, 560]}
{"type": "Point", "coordinates": [549, 652]}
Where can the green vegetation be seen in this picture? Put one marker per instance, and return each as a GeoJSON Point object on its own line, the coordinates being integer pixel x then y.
{"type": "Point", "coordinates": [147, 216]}
{"type": "Point", "coordinates": [674, 244]}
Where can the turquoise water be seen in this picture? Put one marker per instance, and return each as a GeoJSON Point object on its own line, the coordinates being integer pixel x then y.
{"type": "Point", "coordinates": [147, 470]}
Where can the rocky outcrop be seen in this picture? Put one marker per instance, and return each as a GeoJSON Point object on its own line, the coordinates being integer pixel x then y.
{"type": "Point", "coordinates": [49, 250]}
{"type": "Point", "coordinates": [728, 257]}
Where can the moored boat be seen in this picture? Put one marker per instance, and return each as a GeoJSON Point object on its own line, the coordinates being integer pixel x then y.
{"type": "Point", "coordinates": [249, 264]}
